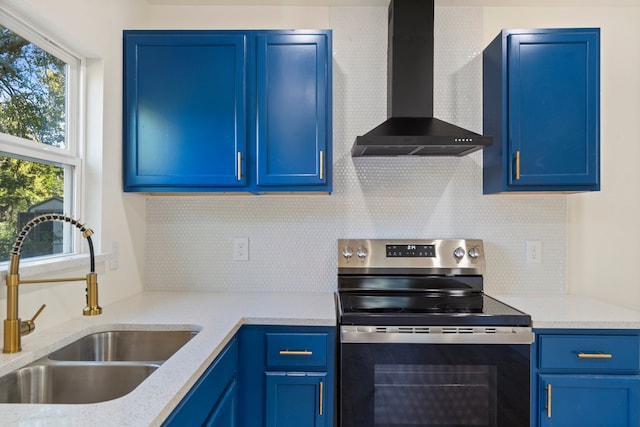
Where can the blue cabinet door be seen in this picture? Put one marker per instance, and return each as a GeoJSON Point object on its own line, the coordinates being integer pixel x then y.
{"type": "Point", "coordinates": [224, 413]}
{"type": "Point", "coordinates": [213, 397]}
{"type": "Point", "coordinates": [541, 91]}
{"type": "Point", "coordinates": [553, 108]}
{"type": "Point", "coordinates": [588, 400]}
{"type": "Point", "coordinates": [293, 117]}
{"type": "Point", "coordinates": [184, 110]}
{"type": "Point", "coordinates": [296, 399]}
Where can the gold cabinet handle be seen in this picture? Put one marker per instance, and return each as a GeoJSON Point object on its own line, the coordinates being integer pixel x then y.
{"type": "Point", "coordinates": [548, 387]}
{"type": "Point", "coordinates": [296, 353]}
{"type": "Point", "coordinates": [517, 164]}
{"type": "Point", "coordinates": [321, 164]}
{"type": "Point", "coordinates": [239, 166]}
{"type": "Point", "coordinates": [582, 355]}
{"type": "Point", "coordinates": [321, 393]}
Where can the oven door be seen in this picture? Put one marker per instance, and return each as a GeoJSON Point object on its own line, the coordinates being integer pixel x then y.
{"type": "Point", "coordinates": [446, 379]}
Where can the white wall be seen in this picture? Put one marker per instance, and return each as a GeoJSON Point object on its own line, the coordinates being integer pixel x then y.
{"type": "Point", "coordinates": [603, 227]}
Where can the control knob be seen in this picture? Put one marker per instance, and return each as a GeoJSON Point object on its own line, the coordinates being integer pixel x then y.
{"type": "Point", "coordinates": [362, 252]}
{"type": "Point", "coordinates": [458, 253]}
{"type": "Point", "coordinates": [474, 253]}
{"type": "Point", "coordinates": [347, 252]}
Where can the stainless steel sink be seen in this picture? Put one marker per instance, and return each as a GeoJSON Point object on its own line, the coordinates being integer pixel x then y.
{"type": "Point", "coordinates": [69, 383]}
{"type": "Point", "coordinates": [112, 346]}
{"type": "Point", "coordinates": [94, 368]}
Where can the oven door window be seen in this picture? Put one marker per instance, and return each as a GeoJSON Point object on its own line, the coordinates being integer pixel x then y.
{"type": "Point", "coordinates": [401, 385]}
{"type": "Point", "coordinates": [434, 395]}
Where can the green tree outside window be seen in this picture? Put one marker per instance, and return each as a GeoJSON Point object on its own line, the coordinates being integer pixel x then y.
{"type": "Point", "coordinates": [32, 107]}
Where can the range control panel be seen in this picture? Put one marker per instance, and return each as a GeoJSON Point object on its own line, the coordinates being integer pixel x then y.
{"type": "Point", "coordinates": [410, 251]}
{"type": "Point", "coordinates": [439, 256]}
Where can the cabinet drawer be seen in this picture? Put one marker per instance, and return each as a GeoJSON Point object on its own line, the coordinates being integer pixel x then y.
{"type": "Point", "coordinates": [296, 350]}
{"type": "Point", "coordinates": [594, 353]}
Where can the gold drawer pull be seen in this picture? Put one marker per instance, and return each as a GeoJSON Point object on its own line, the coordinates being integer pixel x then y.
{"type": "Point", "coordinates": [296, 353]}
{"type": "Point", "coordinates": [321, 164]}
{"type": "Point", "coordinates": [548, 387]}
{"type": "Point", "coordinates": [517, 164]}
{"type": "Point", "coordinates": [321, 403]}
{"type": "Point", "coordinates": [582, 355]}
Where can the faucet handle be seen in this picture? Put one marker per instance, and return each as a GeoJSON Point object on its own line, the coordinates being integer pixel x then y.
{"type": "Point", "coordinates": [28, 326]}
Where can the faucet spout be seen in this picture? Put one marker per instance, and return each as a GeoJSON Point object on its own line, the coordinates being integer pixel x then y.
{"type": "Point", "coordinates": [14, 328]}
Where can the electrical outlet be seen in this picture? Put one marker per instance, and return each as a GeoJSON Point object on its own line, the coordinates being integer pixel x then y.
{"type": "Point", "coordinates": [241, 249]}
{"type": "Point", "coordinates": [534, 252]}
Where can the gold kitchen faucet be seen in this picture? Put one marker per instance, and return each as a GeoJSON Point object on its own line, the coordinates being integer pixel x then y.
{"type": "Point", "coordinates": [14, 328]}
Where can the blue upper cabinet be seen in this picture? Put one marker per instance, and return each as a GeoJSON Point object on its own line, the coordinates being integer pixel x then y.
{"type": "Point", "coordinates": [184, 110]}
{"type": "Point", "coordinates": [293, 109]}
{"type": "Point", "coordinates": [238, 111]}
{"type": "Point", "coordinates": [541, 103]}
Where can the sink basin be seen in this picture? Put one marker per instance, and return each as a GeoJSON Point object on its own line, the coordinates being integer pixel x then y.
{"type": "Point", "coordinates": [95, 368]}
{"type": "Point", "coordinates": [118, 346]}
{"type": "Point", "coordinates": [68, 383]}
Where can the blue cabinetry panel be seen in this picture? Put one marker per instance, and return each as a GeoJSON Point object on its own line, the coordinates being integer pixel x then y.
{"type": "Point", "coordinates": [541, 102]}
{"type": "Point", "coordinates": [296, 350]}
{"type": "Point", "coordinates": [590, 353]}
{"type": "Point", "coordinates": [238, 111]}
{"type": "Point", "coordinates": [589, 401]}
{"type": "Point", "coordinates": [224, 413]}
{"type": "Point", "coordinates": [213, 396]}
{"type": "Point", "coordinates": [184, 109]}
{"type": "Point", "coordinates": [292, 111]}
{"type": "Point", "coordinates": [586, 378]}
{"type": "Point", "coordinates": [296, 399]}
{"type": "Point", "coordinates": [284, 390]}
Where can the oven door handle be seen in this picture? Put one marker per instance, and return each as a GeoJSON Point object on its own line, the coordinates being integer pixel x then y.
{"type": "Point", "coordinates": [439, 335]}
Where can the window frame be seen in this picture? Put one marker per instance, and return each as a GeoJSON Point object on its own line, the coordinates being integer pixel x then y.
{"type": "Point", "coordinates": [72, 154]}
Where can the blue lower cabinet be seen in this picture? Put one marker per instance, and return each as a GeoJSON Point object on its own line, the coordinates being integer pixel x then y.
{"type": "Point", "coordinates": [586, 378]}
{"type": "Point", "coordinates": [224, 413]}
{"type": "Point", "coordinates": [287, 376]}
{"type": "Point", "coordinates": [212, 399]}
{"type": "Point", "coordinates": [589, 400]}
{"type": "Point", "coordinates": [273, 376]}
{"type": "Point", "coordinates": [296, 399]}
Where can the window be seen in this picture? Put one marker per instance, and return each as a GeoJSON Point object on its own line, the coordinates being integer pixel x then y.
{"type": "Point", "coordinates": [40, 163]}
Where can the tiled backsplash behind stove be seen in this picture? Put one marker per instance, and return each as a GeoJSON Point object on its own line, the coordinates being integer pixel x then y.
{"type": "Point", "coordinates": [292, 239]}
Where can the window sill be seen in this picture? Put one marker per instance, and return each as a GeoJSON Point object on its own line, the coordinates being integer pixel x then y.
{"type": "Point", "coordinates": [53, 264]}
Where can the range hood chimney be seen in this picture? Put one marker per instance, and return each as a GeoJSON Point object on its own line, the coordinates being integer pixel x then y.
{"type": "Point", "coordinates": [411, 128]}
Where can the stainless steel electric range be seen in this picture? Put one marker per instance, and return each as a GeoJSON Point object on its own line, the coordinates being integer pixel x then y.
{"type": "Point", "coordinates": [420, 342]}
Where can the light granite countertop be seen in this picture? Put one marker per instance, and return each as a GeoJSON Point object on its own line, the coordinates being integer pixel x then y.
{"type": "Point", "coordinates": [216, 316]}
{"type": "Point", "coordinates": [573, 311]}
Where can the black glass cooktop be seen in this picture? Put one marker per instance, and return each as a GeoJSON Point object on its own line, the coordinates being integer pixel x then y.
{"type": "Point", "coordinates": [423, 303]}
{"type": "Point", "coordinates": [427, 309]}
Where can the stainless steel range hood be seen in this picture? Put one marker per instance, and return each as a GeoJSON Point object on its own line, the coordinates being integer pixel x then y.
{"type": "Point", "coordinates": [411, 128]}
